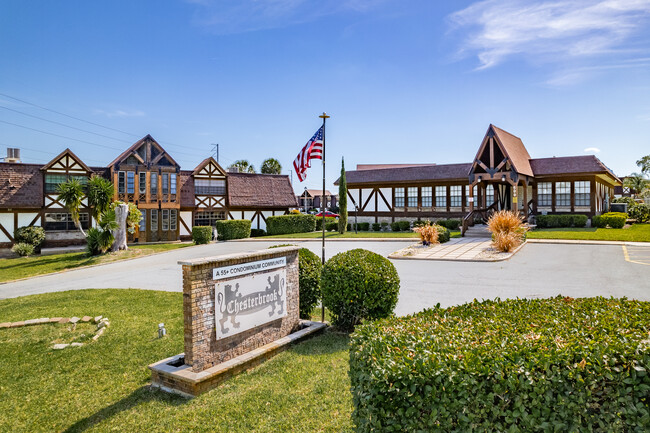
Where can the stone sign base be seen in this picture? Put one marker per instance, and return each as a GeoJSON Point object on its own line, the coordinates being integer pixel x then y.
{"type": "Point", "coordinates": [173, 375]}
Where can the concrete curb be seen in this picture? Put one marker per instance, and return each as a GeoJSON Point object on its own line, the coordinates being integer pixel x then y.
{"type": "Point", "coordinates": [442, 259]}
{"type": "Point", "coordinates": [326, 239]}
{"type": "Point", "coordinates": [586, 242]}
{"type": "Point", "coordinates": [89, 266]}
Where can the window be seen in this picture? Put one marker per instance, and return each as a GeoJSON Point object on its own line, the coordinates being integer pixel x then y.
{"type": "Point", "coordinates": [165, 183]}
{"type": "Point", "coordinates": [399, 197]}
{"type": "Point", "coordinates": [63, 221]}
{"type": "Point", "coordinates": [172, 220]}
{"type": "Point", "coordinates": [52, 181]}
{"type": "Point", "coordinates": [143, 220]}
{"type": "Point", "coordinates": [121, 182]}
{"type": "Point", "coordinates": [474, 194]}
{"type": "Point", "coordinates": [142, 182]}
{"type": "Point", "coordinates": [208, 218]}
{"type": "Point", "coordinates": [441, 196]}
{"type": "Point", "coordinates": [172, 181]}
{"type": "Point", "coordinates": [582, 190]}
{"type": "Point", "coordinates": [154, 220]}
{"type": "Point", "coordinates": [154, 184]}
{"type": "Point", "coordinates": [426, 196]}
{"type": "Point", "coordinates": [209, 186]}
{"type": "Point", "coordinates": [130, 182]}
{"type": "Point", "coordinates": [544, 194]}
{"type": "Point", "coordinates": [562, 193]}
{"type": "Point", "coordinates": [456, 195]}
{"type": "Point", "coordinates": [412, 194]}
{"type": "Point", "coordinates": [489, 195]}
{"type": "Point", "coordinates": [165, 220]}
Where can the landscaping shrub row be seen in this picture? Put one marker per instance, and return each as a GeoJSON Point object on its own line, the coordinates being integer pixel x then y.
{"type": "Point", "coordinates": [319, 222]}
{"type": "Point", "coordinates": [615, 220]}
{"type": "Point", "coordinates": [201, 234]}
{"type": "Point", "coordinates": [286, 224]}
{"type": "Point", "coordinates": [233, 229]}
{"type": "Point", "coordinates": [544, 365]}
{"type": "Point", "coordinates": [451, 224]}
{"type": "Point", "coordinates": [400, 226]}
{"type": "Point", "coordinates": [568, 220]}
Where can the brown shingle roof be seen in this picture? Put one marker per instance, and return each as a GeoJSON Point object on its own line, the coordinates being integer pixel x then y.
{"type": "Point", "coordinates": [21, 185]}
{"type": "Point", "coordinates": [408, 174]}
{"type": "Point", "coordinates": [260, 190]}
{"type": "Point", "coordinates": [376, 166]}
{"type": "Point", "coordinates": [569, 165]}
{"type": "Point", "coordinates": [317, 192]}
{"type": "Point", "coordinates": [515, 149]}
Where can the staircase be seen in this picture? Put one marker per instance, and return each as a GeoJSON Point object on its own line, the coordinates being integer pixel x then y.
{"type": "Point", "coordinates": [478, 231]}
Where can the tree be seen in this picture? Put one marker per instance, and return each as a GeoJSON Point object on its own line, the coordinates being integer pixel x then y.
{"type": "Point", "coordinates": [127, 217]}
{"type": "Point", "coordinates": [100, 196]}
{"type": "Point", "coordinates": [343, 200]}
{"type": "Point", "coordinates": [644, 164]}
{"type": "Point", "coordinates": [271, 166]}
{"type": "Point", "coordinates": [636, 182]}
{"type": "Point", "coordinates": [72, 193]}
{"type": "Point", "coordinates": [243, 166]}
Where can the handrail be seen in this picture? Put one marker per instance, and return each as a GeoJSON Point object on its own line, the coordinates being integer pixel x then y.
{"type": "Point", "coordinates": [484, 214]}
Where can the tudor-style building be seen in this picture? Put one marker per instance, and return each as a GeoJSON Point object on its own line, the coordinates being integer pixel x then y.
{"type": "Point", "coordinates": [171, 200]}
{"type": "Point", "coordinates": [501, 176]}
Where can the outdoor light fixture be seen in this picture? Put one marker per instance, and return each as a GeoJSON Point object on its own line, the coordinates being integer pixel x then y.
{"type": "Point", "coordinates": [479, 178]}
{"type": "Point", "coordinates": [503, 178]}
{"type": "Point", "coordinates": [161, 330]}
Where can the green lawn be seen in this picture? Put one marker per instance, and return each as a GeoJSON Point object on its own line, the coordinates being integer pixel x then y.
{"type": "Point", "coordinates": [334, 235]}
{"type": "Point", "coordinates": [22, 267]}
{"type": "Point", "coordinates": [634, 233]}
{"type": "Point", "coordinates": [102, 386]}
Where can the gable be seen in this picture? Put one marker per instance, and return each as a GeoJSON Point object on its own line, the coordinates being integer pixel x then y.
{"type": "Point", "coordinates": [500, 152]}
{"type": "Point", "coordinates": [67, 162]}
{"type": "Point", "coordinates": [210, 169]}
{"type": "Point", "coordinates": [145, 151]}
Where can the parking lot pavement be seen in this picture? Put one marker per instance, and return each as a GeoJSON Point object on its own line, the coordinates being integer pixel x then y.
{"type": "Point", "coordinates": [639, 254]}
{"type": "Point", "coordinates": [538, 270]}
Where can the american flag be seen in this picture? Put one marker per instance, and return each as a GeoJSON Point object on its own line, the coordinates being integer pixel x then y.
{"type": "Point", "coordinates": [312, 150]}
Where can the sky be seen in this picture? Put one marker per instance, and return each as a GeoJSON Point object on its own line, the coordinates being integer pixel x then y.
{"type": "Point", "coordinates": [404, 81]}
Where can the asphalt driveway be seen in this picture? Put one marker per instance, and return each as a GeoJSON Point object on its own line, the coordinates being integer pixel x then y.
{"type": "Point", "coordinates": [538, 270]}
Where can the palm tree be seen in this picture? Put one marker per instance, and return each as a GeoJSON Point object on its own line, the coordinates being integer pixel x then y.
{"type": "Point", "coordinates": [100, 196]}
{"type": "Point", "coordinates": [636, 182]}
{"type": "Point", "coordinates": [271, 166]}
{"type": "Point", "coordinates": [242, 166]}
{"type": "Point", "coordinates": [644, 164]}
{"type": "Point", "coordinates": [71, 193]}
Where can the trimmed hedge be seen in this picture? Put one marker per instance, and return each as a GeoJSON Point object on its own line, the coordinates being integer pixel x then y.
{"type": "Point", "coordinates": [310, 268]}
{"type": "Point", "coordinates": [331, 227]}
{"type": "Point", "coordinates": [286, 224]}
{"type": "Point", "coordinates": [255, 233]}
{"type": "Point", "coordinates": [451, 224]}
{"type": "Point", "coordinates": [615, 220]}
{"type": "Point", "coordinates": [568, 220]}
{"type": "Point", "coordinates": [233, 229]}
{"type": "Point", "coordinates": [319, 222]}
{"type": "Point", "coordinates": [201, 234]}
{"type": "Point", "coordinates": [541, 365]}
{"type": "Point", "coordinates": [364, 227]}
{"type": "Point", "coordinates": [395, 226]}
{"type": "Point", "coordinates": [376, 227]}
{"type": "Point", "coordinates": [32, 235]}
{"type": "Point", "coordinates": [359, 285]}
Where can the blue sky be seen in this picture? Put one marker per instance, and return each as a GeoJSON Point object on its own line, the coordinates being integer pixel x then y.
{"type": "Point", "coordinates": [404, 81]}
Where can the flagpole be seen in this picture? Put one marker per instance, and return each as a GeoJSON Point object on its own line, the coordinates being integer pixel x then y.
{"type": "Point", "coordinates": [322, 207]}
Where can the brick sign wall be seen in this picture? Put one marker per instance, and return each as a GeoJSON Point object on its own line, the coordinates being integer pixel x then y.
{"type": "Point", "coordinates": [233, 304]}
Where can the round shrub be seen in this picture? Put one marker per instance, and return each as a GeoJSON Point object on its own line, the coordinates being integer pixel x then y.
{"type": "Point", "coordinates": [443, 234]}
{"type": "Point", "coordinates": [233, 229]}
{"type": "Point", "coordinates": [201, 234]}
{"type": "Point", "coordinates": [310, 268]}
{"type": "Point", "coordinates": [34, 236]}
{"type": "Point", "coordinates": [395, 226]}
{"type": "Point", "coordinates": [640, 212]}
{"type": "Point", "coordinates": [23, 249]}
{"type": "Point", "coordinates": [376, 227]}
{"type": "Point", "coordinates": [359, 285]}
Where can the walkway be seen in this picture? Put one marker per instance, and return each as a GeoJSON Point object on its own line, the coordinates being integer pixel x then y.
{"type": "Point", "coordinates": [458, 249]}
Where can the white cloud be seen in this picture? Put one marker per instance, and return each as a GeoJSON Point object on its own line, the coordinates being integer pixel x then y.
{"type": "Point", "coordinates": [238, 16]}
{"type": "Point", "coordinates": [592, 150]}
{"type": "Point", "coordinates": [552, 31]}
{"type": "Point", "coordinates": [120, 113]}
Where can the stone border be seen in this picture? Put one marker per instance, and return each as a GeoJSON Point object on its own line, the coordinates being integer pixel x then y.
{"type": "Point", "coordinates": [183, 381]}
{"type": "Point", "coordinates": [102, 324]}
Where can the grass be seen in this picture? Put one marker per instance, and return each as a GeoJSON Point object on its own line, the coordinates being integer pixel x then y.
{"type": "Point", "coordinates": [348, 235]}
{"type": "Point", "coordinates": [23, 267]}
{"type": "Point", "coordinates": [102, 386]}
{"type": "Point", "coordinates": [634, 233]}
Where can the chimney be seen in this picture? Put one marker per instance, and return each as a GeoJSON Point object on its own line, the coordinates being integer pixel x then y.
{"type": "Point", "coordinates": [233, 169]}
{"type": "Point", "coordinates": [13, 155]}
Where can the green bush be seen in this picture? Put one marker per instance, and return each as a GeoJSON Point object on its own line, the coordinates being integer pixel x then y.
{"type": "Point", "coordinates": [542, 365]}
{"type": "Point", "coordinates": [319, 222]}
{"type": "Point", "coordinates": [201, 234]}
{"type": "Point", "coordinates": [257, 233]}
{"type": "Point", "coordinates": [395, 226]}
{"type": "Point", "coordinates": [443, 234]}
{"type": "Point", "coordinates": [566, 220]}
{"type": "Point", "coordinates": [615, 220]}
{"type": "Point", "coordinates": [404, 225]}
{"type": "Point", "coordinates": [331, 227]}
{"type": "Point", "coordinates": [23, 249]}
{"type": "Point", "coordinates": [359, 285]}
{"type": "Point", "coordinates": [286, 224]}
{"type": "Point", "coordinates": [376, 227]}
{"type": "Point", "coordinates": [640, 212]}
{"type": "Point", "coordinates": [233, 229]}
{"type": "Point", "coordinates": [598, 222]}
{"type": "Point", "coordinates": [310, 268]}
{"type": "Point", "coordinates": [364, 226]}
{"type": "Point", "coordinates": [384, 225]}
{"type": "Point", "coordinates": [451, 224]}
{"type": "Point", "coordinates": [31, 235]}
{"type": "Point", "coordinates": [98, 240]}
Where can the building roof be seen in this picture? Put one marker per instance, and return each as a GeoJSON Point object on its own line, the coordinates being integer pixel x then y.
{"type": "Point", "coordinates": [135, 146]}
{"type": "Point", "coordinates": [71, 155]}
{"type": "Point", "coordinates": [21, 185]}
{"type": "Point", "coordinates": [569, 165]}
{"type": "Point", "coordinates": [515, 150]}
{"type": "Point", "coordinates": [250, 190]}
{"type": "Point", "coordinates": [408, 174]}
{"type": "Point", "coordinates": [376, 166]}
{"type": "Point", "coordinates": [316, 192]}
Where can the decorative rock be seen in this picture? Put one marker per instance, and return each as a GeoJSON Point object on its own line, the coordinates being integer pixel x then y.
{"type": "Point", "coordinates": [31, 322]}
{"type": "Point", "coordinates": [5, 325]}
{"type": "Point", "coordinates": [60, 346]}
{"type": "Point", "coordinates": [17, 324]}
{"type": "Point", "coordinates": [76, 344]}
{"type": "Point", "coordinates": [99, 333]}
{"type": "Point", "coordinates": [74, 319]}
{"type": "Point", "coordinates": [55, 319]}
{"type": "Point", "coordinates": [86, 318]}
{"type": "Point", "coordinates": [64, 320]}
{"type": "Point", "coordinates": [43, 320]}
{"type": "Point", "coordinates": [101, 325]}
{"type": "Point", "coordinates": [97, 319]}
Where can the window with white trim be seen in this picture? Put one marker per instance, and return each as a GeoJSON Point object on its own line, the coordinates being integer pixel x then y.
{"type": "Point", "coordinates": [154, 220]}
{"type": "Point", "coordinates": [489, 195]}
{"type": "Point", "coordinates": [582, 193]}
{"type": "Point", "coordinates": [412, 196]}
{"type": "Point", "coordinates": [154, 184]}
{"type": "Point", "coordinates": [165, 183]}
{"type": "Point", "coordinates": [172, 183]}
{"type": "Point", "coordinates": [130, 182]}
{"type": "Point", "coordinates": [143, 220]}
{"type": "Point", "coordinates": [474, 194]}
{"type": "Point", "coordinates": [142, 182]}
{"type": "Point", "coordinates": [441, 196]}
{"type": "Point", "coordinates": [62, 221]}
{"type": "Point", "coordinates": [427, 199]}
{"type": "Point", "coordinates": [173, 218]}
{"type": "Point", "coordinates": [121, 182]}
{"type": "Point", "coordinates": [456, 195]}
{"type": "Point", "coordinates": [399, 197]}
{"type": "Point", "coordinates": [164, 225]}
{"type": "Point", "coordinates": [562, 193]}
{"type": "Point", "coordinates": [208, 218]}
{"type": "Point", "coordinates": [544, 193]}
{"type": "Point", "coordinates": [213, 186]}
